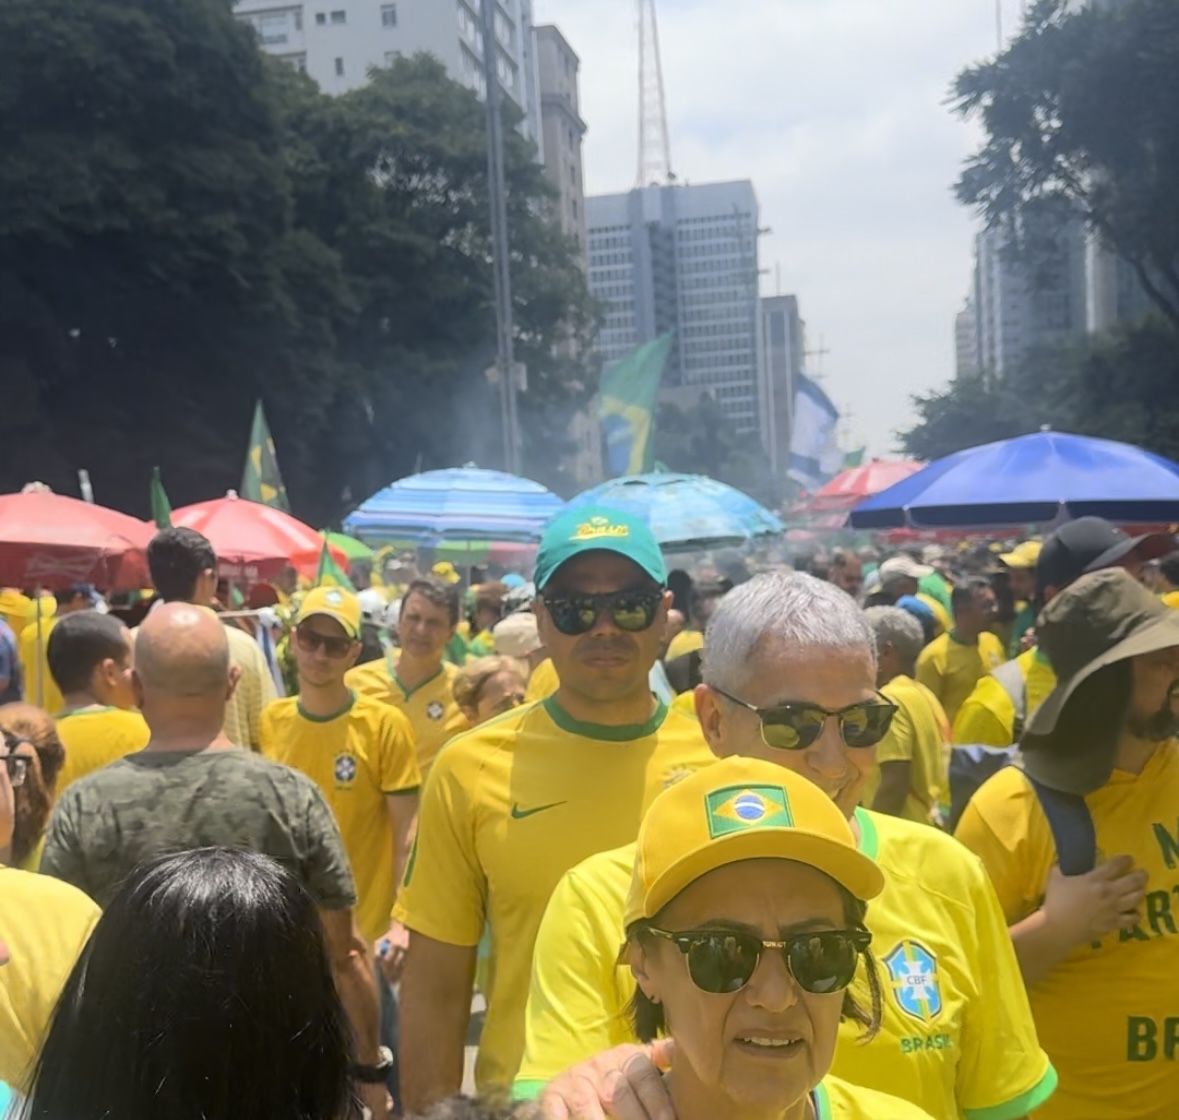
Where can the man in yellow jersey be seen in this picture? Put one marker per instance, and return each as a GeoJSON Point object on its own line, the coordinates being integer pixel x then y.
{"type": "Point", "coordinates": [40, 688]}
{"type": "Point", "coordinates": [1099, 948]}
{"type": "Point", "coordinates": [790, 678]}
{"type": "Point", "coordinates": [44, 925]}
{"type": "Point", "coordinates": [416, 679]}
{"type": "Point", "coordinates": [183, 569]}
{"type": "Point", "coordinates": [515, 803]}
{"type": "Point", "coordinates": [950, 666]}
{"type": "Point", "coordinates": [1020, 563]}
{"type": "Point", "coordinates": [90, 658]}
{"type": "Point", "coordinates": [359, 751]}
{"type": "Point", "coordinates": [912, 774]}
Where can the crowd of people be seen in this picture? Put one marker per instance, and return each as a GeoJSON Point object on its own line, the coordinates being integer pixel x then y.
{"type": "Point", "coordinates": [858, 837]}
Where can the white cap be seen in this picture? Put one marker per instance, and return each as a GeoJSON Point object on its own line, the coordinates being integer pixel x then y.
{"type": "Point", "coordinates": [902, 567]}
{"type": "Point", "coordinates": [516, 635]}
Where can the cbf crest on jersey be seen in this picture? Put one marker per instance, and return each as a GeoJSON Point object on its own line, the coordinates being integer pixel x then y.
{"type": "Point", "coordinates": [345, 769]}
{"type": "Point", "coordinates": [912, 968]}
{"type": "Point", "coordinates": [435, 710]}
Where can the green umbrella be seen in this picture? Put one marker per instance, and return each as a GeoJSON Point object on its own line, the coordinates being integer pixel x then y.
{"type": "Point", "coordinates": [349, 546]}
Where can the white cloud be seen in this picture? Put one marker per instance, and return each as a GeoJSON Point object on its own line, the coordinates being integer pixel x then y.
{"type": "Point", "coordinates": [836, 110]}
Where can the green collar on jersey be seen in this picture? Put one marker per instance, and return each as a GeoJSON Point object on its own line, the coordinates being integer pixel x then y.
{"type": "Point", "coordinates": [624, 733]}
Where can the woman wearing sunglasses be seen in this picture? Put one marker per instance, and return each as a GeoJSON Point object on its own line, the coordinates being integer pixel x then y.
{"type": "Point", "coordinates": [745, 929]}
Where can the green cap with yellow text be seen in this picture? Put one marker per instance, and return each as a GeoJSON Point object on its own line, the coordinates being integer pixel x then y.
{"type": "Point", "coordinates": [334, 602]}
{"type": "Point", "coordinates": [598, 529]}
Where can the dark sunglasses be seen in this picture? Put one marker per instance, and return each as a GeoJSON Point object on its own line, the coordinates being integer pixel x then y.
{"type": "Point", "coordinates": [632, 611]}
{"type": "Point", "coordinates": [309, 641]}
{"type": "Point", "coordinates": [795, 727]}
{"type": "Point", "coordinates": [17, 766]}
{"type": "Point", "coordinates": [721, 962]}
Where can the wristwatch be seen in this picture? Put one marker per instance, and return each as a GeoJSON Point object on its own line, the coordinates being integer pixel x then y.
{"type": "Point", "coordinates": [378, 1074]}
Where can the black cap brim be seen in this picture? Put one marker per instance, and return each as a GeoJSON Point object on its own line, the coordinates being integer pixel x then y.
{"type": "Point", "coordinates": [1150, 546]}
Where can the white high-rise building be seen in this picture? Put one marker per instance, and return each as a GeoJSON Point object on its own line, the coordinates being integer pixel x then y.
{"type": "Point", "coordinates": [966, 341]}
{"type": "Point", "coordinates": [338, 42]}
{"type": "Point", "coordinates": [684, 259]}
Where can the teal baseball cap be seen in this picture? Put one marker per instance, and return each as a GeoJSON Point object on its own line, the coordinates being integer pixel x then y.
{"type": "Point", "coordinates": [598, 529]}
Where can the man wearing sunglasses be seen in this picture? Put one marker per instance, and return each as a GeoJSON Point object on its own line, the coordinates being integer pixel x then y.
{"type": "Point", "coordinates": [790, 677]}
{"type": "Point", "coordinates": [513, 804]}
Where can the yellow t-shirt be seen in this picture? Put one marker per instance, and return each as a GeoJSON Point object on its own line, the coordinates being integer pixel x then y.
{"type": "Point", "coordinates": [685, 703]}
{"type": "Point", "coordinates": [920, 734]}
{"type": "Point", "coordinates": [988, 717]}
{"type": "Point", "coordinates": [1109, 1013]}
{"type": "Point", "coordinates": [508, 809]}
{"type": "Point", "coordinates": [543, 683]}
{"type": "Point", "coordinates": [32, 655]}
{"type": "Point", "coordinates": [95, 737]}
{"type": "Point", "coordinates": [841, 1100]}
{"type": "Point", "coordinates": [950, 669]}
{"type": "Point", "coordinates": [1171, 599]}
{"type": "Point", "coordinates": [685, 642]}
{"type": "Point", "coordinates": [357, 758]}
{"type": "Point", "coordinates": [45, 923]}
{"type": "Point", "coordinates": [957, 1037]}
{"type": "Point", "coordinates": [430, 708]}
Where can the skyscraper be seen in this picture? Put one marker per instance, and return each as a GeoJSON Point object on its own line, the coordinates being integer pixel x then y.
{"type": "Point", "coordinates": [784, 346]}
{"type": "Point", "coordinates": [966, 341]}
{"type": "Point", "coordinates": [685, 259]}
{"type": "Point", "coordinates": [337, 42]}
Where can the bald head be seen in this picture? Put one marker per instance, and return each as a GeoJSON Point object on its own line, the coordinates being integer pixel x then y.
{"type": "Point", "coordinates": [182, 652]}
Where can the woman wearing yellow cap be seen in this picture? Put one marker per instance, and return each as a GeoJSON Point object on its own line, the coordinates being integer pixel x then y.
{"type": "Point", "coordinates": [745, 930]}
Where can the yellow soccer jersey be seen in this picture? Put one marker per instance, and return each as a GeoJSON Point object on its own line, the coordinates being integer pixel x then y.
{"type": "Point", "coordinates": [920, 734]}
{"type": "Point", "coordinates": [508, 809]}
{"type": "Point", "coordinates": [45, 923]}
{"type": "Point", "coordinates": [357, 758]}
{"type": "Point", "coordinates": [95, 737]}
{"type": "Point", "coordinates": [988, 717]}
{"type": "Point", "coordinates": [543, 683]}
{"type": "Point", "coordinates": [957, 1037]}
{"type": "Point", "coordinates": [685, 642]}
{"type": "Point", "coordinates": [840, 1100]}
{"type": "Point", "coordinates": [33, 659]}
{"type": "Point", "coordinates": [430, 708]}
{"type": "Point", "coordinates": [950, 669]}
{"type": "Point", "coordinates": [685, 703]}
{"type": "Point", "coordinates": [1109, 1013]}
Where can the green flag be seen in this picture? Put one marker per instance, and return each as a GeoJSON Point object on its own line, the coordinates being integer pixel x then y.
{"type": "Point", "coordinates": [161, 508]}
{"type": "Point", "coordinates": [854, 459]}
{"type": "Point", "coordinates": [330, 573]}
{"type": "Point", "coordinates": [629, 390]}
{"type": "Point", "coordinates": [261, 481]}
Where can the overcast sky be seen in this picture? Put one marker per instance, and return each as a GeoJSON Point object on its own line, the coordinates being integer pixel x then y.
{"type": "Point", "coordinates": [836, 110]}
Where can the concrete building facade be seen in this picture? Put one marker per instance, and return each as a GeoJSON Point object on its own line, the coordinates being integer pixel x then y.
{"type": "Point", "coordinates": [966, 362]}
{"type": "Point", "coordinates": [684, 259]}
{"type": "Point", "coordinates": [784, 349]}
{"type": "Point", "coordinates": [338, 42]}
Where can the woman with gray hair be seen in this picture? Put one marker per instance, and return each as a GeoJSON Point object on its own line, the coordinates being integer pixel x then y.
{"type": "Point", "coordinates": [912, 779]}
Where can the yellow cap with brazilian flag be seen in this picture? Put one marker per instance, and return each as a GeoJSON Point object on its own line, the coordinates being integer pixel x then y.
{"type": "Point", "coordinates": [333, 602]}
{"type": "Point", "coordinates": [735, 810]}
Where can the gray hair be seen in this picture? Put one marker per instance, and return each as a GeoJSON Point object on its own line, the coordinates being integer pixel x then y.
{"type": "Point", "coordinates": [898, 628]}
{"type": "Point", "coordinates": [799, 612]}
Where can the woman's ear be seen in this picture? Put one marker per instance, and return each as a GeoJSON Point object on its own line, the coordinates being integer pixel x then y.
{"type": "Point", "coordinates": [637, 958]}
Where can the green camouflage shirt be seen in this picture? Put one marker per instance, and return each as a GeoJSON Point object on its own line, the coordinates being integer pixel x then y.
{"type": "Point", "coordinates": [155, 803]}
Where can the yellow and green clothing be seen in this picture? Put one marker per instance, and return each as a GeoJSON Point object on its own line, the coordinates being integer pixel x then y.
{"type": "Point", "coordinates": [685, 642]}
{"type": "Point", "coordinates": [509, 808]}
{"type": "Point", "coordinates": [357, 757]}
{"type": "Point", "coordinates": [34, 660]}
{"type": "Point", "coordinates": [950, 668]}
{"type": "Point", "coordinates": [95, 737]}
{"type": "Point", "coordinates": [543, 683]}
{"type": "Point", "coordinates": [988, 717]}
{"type": "Point", "coordinates": [1108, 1013]}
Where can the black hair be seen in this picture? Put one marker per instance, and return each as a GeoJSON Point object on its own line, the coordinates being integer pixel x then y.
{"type": "Point", "coordinates": [438, 593]}
{"type": "Point", "coordinates": [204, 993]}
{"type": "Point", "coordinates": [962, 596]}
{"type": "Point", "coordinates": [649, 1021]}
{"type": "Point", "coordinates": [176, 559]}
{"type": "Point", "coordinates": [1093, 715]}
{"type": "Point", "coordinates": [1169, 566]}
{"type": "Point", "coordinates": [69, 594]}
{"type": "Point", "coordinates": [79, 643]}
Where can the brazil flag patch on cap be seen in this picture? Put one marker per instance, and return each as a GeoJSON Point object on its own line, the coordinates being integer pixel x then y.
{"type": "Point", "coordinates": [740, 808]}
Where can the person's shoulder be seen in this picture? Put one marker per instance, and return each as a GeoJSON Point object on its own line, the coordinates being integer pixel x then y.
{"type": "Point", "coordinates": [920, 853]}
{"type": "Point", "coordinates": [29, 893]}
{"type": "Point", "coordinates": [374, 712]}
{"type": "Point", "coordinates": [371, 672]}
{"type": "Point", "coordinates": [498, 734]}
{"type": "Point", "coordinates": [243, 650]}
{"type": "Point", "coordinates": [845, 1101]}
{"type": "Point", "coordinates": [605, 874]}
{"type": "Point", "coordinates": [902, 690]}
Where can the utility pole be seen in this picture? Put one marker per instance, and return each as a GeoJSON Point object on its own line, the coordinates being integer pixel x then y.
{"type": "Point", "coordinates": [498, 192]}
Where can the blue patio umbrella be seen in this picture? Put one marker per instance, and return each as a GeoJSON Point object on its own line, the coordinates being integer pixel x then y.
{"type": "Point", "coordinates": [1041, 478]}
{"type": "Point", "coordinates": [461, 505]}
{"type": "Point", "coordinates": [686, 511]}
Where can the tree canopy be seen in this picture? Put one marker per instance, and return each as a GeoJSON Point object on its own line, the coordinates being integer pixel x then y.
{"type": "Point", "coordinates": [187, 226]}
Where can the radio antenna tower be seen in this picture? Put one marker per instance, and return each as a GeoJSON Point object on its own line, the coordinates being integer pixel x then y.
{"type": "Point", "coordinates": [654, 142]}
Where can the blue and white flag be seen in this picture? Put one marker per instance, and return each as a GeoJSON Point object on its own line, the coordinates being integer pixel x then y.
{"type": "Point", "coordinates": [814, 447]}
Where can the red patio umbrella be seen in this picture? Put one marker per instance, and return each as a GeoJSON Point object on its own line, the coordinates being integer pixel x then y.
{"type": "Point", "coordinates": [52, 541]}
{"type": "Point", "coordinates": [847, 490]}
{"type": "Point", "coordinates": [254, 542]}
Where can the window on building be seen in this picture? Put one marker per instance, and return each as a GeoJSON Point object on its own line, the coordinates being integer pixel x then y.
{"type": "Point", "coordinates": [320, 19]}
{"type": "Point", "coordinates": [339, 67]}
{"type": "Point", "coordinates": [339, 17]}
{"type": "Point", "coordinates": [388, 15]}
{"type": "Point", "coordinates": [298, 19]}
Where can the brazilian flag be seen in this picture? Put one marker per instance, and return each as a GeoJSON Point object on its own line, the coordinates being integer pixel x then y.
{"type": "Point", "coordinates": [161, 508]}
{"type": "Point", "coordinates": [330, 573]}
{"type": "Point", "coordinates": [629, 391]}
{"type": "Point", "coordinates": [261, 481]}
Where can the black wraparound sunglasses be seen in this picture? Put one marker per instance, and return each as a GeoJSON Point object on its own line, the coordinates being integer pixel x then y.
{"type": "Point", "coordinates": [631, 611]}
{"type": "Point", "coordinates": [797, 726]}
{"type": "Point", "coordinates": [722, 961]}
{"type": "Point", "coordinates": [334, 647]}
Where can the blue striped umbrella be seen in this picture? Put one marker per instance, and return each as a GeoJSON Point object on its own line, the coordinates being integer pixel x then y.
{"type": "Point", "coordinates": [687, 511]}
{"type": "Point", "coordinates": [464, 504]}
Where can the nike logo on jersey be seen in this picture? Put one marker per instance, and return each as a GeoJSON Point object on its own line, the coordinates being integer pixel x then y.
{"type": "Point", "coordinates": [519, 814]}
